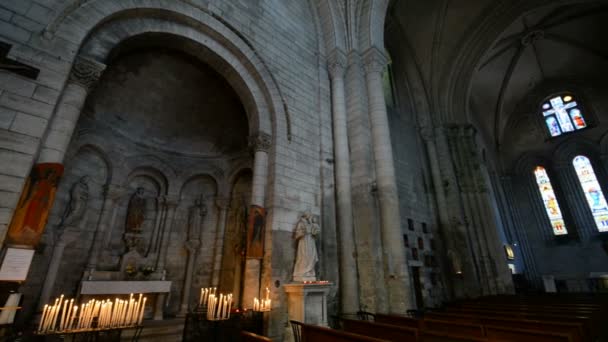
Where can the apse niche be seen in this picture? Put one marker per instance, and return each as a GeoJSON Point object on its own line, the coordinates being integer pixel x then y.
{"type": "Point", "coordinates": [169, 138]}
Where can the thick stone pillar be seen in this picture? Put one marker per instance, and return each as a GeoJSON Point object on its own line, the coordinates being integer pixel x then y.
{"type": "Point", "coordinates": [349, 296]}
{"type": "Point", "coordinates": [63, 240]}
{"type": "Point", "coordinates": [223, 204]}
{"type": "Point", "coordinates": [84, 76]}
{"type": "Point", "coordinates": [192, 246]}
{"type": "Point", "coordinates": [396, 272]}
{"type": "Point", "coordinates": [260, 144]}
{"type": "Point", "coordinates": [111, 196]}
{"type": "Point", "coordinates": [370, 260]}
{"type": "Point", "coordinates": [171, 206]}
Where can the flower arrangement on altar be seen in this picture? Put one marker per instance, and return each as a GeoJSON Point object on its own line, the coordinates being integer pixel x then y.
{"type": "Point", "coordinates": [130, 270]}
{"type": "Point", "coordinates": [147, 270]}
{"type": "Point", "coordinates": [64, 316]}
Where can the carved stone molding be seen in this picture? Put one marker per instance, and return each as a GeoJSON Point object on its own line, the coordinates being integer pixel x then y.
{"type": "Point", "coordinates": [374, 60]}
{"type": "Point", "coordinates": [86, 72]}
{"type": "Point", "coordinates": [192, 245]}
{"type": "Point", "coordinates": [260, 142]}
{"type": "Point", "coordinates": [222, 203]}
{"type": "Point", "coordinates": [336, 63]}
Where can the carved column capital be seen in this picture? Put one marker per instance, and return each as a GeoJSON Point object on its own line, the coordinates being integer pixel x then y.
{"type": "Point", "coordinates": [192, 245]}
{"type": "Point", "coordinates": [86, 72]}
{"type": "Point", "coordinates": [222, 203]}
{"type": "Point", "coordinates": [427, 133]}
{"type": "Point", "coordinates": [374, 60]}
{"type": "Point", "coordinates": [336, 63]}
{"type": "Point", "coordinates": [260, 142]}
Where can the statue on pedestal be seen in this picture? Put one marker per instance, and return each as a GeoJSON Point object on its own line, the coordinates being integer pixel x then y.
{"type": "Point", "coordinates": [306, 254]}
{"type": "Point", "coordinates": [136, 211]}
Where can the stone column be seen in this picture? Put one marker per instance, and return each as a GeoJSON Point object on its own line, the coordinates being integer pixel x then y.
{"type": "Point", "coordinates": [84, 76]}
{"type": "Point", "coordinates": [63, 240]}
{"type": "Point", "coordinates": [348, 264]}
{"type": "Point", "coordinates": [396, 271]}
{"type": "Point", "coordinates": [192, 246]}
{"type": "Point", "coordinates": [167, 227]}
{"type": "Point", "coordinates": [260, 144]}
{"type": "Point", "coordinates": [223, 205]}
{"type": "Point", "coordinates": [111, 196]}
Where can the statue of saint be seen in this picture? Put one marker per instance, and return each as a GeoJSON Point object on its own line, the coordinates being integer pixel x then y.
{"type": "Point", "coordinates": [196, 214]}
{"type": "Point", "coordinates": [79, 197]}
{"type": "Point", "coordinates": [136, 212]}
{"type": "Point", "coordinates": [306, 255]}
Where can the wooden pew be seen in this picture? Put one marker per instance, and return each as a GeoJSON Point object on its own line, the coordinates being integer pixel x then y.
{"type": "Point", "coordinates": [456, 328]}
{"type": "Point", "coordinates": [495, 333]}
{"type": "Point", "coordinates": [313, 333]}
{"type": "Point", "coordinates": [380, 330]}
{"type": "Point", "coordinates": [402, 321]}
{"type": "Point", "coordinates": [576, 330]}
{"type": "Point", "coordinates": [247, 336]}
{"type": "Point", "coordinates": [431, 336]}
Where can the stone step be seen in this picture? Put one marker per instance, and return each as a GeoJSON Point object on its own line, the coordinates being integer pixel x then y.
{"type": "Point", "coordinates": [158, 331]}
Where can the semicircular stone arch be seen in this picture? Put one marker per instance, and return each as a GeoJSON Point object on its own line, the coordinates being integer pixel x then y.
{"type": "Point", "coordinates": [190, 22]}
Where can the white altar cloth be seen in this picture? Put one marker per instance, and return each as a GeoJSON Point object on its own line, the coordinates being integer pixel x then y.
{"type": "Point", "coordinates": [101, 287]}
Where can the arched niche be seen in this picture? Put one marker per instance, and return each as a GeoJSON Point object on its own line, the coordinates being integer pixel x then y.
{"type": "Point", "coordinates": [235, 233]}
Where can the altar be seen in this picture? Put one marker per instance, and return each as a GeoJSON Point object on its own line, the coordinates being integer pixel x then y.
{"type": "Point", "coordinates": [156, 290]}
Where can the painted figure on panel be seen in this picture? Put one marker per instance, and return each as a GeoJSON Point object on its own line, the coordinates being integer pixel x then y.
{"type": "Point", "coordinates": [136, 211]}
{"type": "Point", "coordinates": [255, 232]}
{"type": "Point", "coordinates": [34, 205]}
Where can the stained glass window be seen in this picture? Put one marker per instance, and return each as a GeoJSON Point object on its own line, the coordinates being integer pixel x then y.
{"type": "Point", "coordinates": [593, 192]}
{"type": "Point", "coordinates": [550, 201]}
{"type": "Point", "coordinates": [563, 114]}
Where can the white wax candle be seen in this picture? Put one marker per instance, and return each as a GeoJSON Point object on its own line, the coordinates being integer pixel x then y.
{"type": "Point", "coordinates": [141, 312]}
{"type": "Point", "coordinates": [74, 312]}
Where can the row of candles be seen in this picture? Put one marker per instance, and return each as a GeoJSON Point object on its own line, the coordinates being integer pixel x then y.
{"type": "Point", "coordinates": [218, 308]}
{"type": "Point", "coordinates": [264, 304]}
{"type": "Point", "coordinates": [63, 315]}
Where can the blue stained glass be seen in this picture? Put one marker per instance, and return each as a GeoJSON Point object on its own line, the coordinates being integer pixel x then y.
{"type": "Point", "coordinates": [562, 115]}
{"type": "Point", "coordinates": [593, 192]}
{"type": "Point", "coordinates": [547, 194]}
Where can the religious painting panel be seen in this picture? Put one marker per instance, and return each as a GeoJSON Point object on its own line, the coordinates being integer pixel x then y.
{"type": "Point", "coordinates": [255, 232]}
{"type": "Point", "coordinates": [36, 200]}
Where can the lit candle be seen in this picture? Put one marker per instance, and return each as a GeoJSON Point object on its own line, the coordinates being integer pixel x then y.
{"type": "Point", "coordinates": [44, 312]}
{"type": "Point", "coordinates": [141, 312]}
{"type": "Point", "coordinates": [74, 312]}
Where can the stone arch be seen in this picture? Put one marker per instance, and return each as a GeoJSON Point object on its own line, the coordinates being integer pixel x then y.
{"type": "Point", "coordinates": [332, 24]}
{"type": "Point", "coordinates": [200, 177]}
{"type": "Point", "coordinates": [157, 177]}
{"type": "Point", "coordinates": [567, 150]}
{"type": "Point", "coordinates": [101, 154]}
{"type": "Point", "coordinates": [189, 21]}
{"type": "Point", "coordinates": [371, 16]}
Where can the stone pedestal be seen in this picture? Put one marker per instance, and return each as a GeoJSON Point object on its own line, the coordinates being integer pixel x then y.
{"type": "Point", "coordinates": [307, 303]}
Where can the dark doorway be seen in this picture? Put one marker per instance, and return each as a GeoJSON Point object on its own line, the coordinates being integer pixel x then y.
{"type": "Point", "coordinates": [417, 287]}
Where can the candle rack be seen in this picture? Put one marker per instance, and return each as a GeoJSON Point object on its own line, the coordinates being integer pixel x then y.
{"type": "Point", "coordinates": [199, 328]}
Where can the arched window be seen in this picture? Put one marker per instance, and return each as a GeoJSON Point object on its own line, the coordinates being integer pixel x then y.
{"type": "Point", "coordinates": [550, 201]}
{"type": "Point", "coordinates": [593, 191]}
{"type": "Point", "coordinates": [563, 114]}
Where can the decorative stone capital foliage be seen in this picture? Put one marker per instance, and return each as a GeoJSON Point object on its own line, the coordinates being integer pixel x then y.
{"type": "Point", "coordinates": [427, 133]}
{"type": "Point", "coordinates": [336, 63]}
{"type": "Point", "coordinates": [222, 203]}
{"type": "Point", "coordinates": [86, 72]}
{"type": "Point", "coordinates": [375, 60]}
{"type": "Point", "coordinates": [260, 142]}
{"type": "Point", "coordinates": [192, 245]}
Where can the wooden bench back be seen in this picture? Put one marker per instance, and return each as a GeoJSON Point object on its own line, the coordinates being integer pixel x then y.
{"type": "Point", "coordinates": [380, 330]}
{"type": "Point", "coordinates": [402, 321]}
{"type": "Point", "coordinates": [457, 328]}
{"type": "Point", "coordinates": [495, 333]}
{"type": "Point", "coordinates": [313, 333]}
{"type": "Point", "coordinates": [247, 336]}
